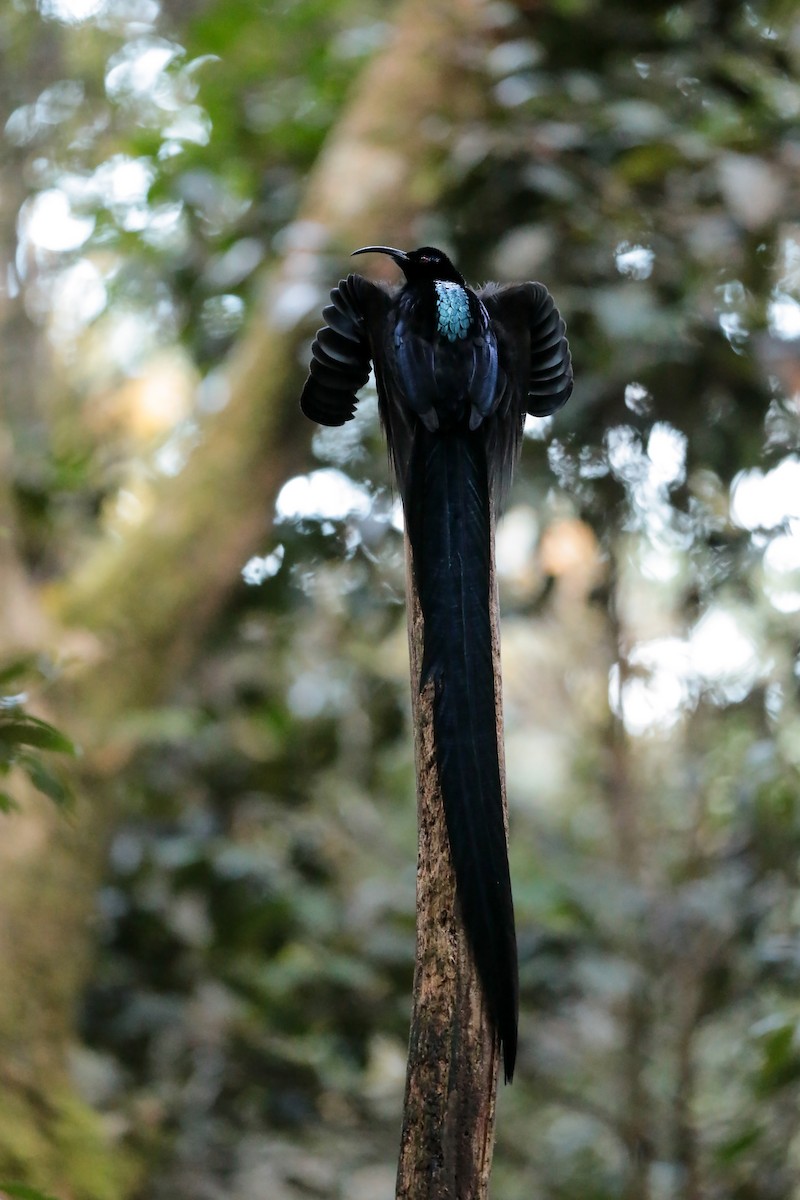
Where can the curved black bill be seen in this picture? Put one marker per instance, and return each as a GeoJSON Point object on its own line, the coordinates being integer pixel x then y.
{"type": "Point", "coordinates": [399, 256]}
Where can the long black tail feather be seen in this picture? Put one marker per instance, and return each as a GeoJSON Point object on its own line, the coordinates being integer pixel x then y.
{"type": "Point", "coordinates": [446, 496]}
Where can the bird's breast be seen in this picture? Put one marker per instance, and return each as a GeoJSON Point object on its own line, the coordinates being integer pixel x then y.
{"type": "Point", "coordinates": [452, 311]}
{"type": "Point", "coordinates": [444, 356]}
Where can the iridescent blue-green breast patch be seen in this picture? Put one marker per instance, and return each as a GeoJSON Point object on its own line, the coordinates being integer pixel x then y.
{"type": "Point", "coordinates": [452, 311]}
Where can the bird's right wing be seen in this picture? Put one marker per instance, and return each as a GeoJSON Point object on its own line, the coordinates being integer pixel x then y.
{"type": "Point", "coordinates": [533, 346]}
{"type": "Point", "coordinates": [341, 351]}
{"type": "Point", "coordinates": [535, 370]}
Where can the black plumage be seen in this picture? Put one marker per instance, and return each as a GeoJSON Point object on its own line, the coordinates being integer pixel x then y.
{"type": "Point", "coordinates": [456, 372]}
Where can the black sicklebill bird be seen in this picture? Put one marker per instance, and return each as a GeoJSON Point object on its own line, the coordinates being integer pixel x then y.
{"type": "Point", "coordinates": [456, 372]}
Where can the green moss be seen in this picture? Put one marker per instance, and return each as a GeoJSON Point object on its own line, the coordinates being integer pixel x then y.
{"type": "Point", "coordinates": [57, 1143]}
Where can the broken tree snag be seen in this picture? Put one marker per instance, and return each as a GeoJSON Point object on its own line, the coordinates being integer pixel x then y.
{"type": "Point", "coordinates": [451, 1079]}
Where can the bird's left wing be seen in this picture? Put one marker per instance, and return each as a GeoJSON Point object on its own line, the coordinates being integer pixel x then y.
{"type": "Point", "coordinates": [342, 351]}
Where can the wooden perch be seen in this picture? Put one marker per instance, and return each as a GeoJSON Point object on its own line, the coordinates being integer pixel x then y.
{"type": "Point", "coordinates": [451, 1080]}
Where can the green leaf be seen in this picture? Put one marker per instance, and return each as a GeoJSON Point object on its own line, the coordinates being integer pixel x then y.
{"type": "Point", "coordinates": [21, 1191]}
{"type": "Point", "coordinates": [8, 803]}
{"type": "Point", "coordinates": [44, 780]}
{"type": "Point", "coordinates": [781, 1062]}
{"type": "Point", "coordinates": [19, 668]}
{"type": "Point", "coordinates": [30, 731]}
{"type": "Point", "coordinates": [734, 1147]}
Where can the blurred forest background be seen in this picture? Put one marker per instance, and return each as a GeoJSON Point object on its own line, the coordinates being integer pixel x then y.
{"type": "Point", "coordinates": [207, 915]}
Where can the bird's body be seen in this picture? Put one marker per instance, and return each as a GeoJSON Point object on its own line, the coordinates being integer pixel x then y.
{"type": "Point", "coordinates": [456, 371]}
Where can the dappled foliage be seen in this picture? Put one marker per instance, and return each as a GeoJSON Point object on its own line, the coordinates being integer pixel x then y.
{"type": "Point", "coordinates": [26, 741]}
{"type": "Point", "coordinates": [245, 1026]}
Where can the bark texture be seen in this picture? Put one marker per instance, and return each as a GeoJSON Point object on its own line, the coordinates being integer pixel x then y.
{"type": "Point", "coordinates": [451, 1082]}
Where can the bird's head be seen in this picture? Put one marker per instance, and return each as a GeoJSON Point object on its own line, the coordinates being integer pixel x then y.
{"type": "Point", "coordinates": [426, 263]}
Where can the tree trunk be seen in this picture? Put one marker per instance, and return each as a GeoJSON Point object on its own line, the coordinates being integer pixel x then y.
{"type": "Point", "coordinates": [451, 1081]}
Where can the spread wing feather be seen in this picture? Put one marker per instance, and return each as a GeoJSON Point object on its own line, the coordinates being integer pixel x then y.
{"type": "Point", "coordinates": [534, 350]}
{"type": "Point", "coordinates": [535, 371]}
{"type": "Point", "coordinates": [341, 352]}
